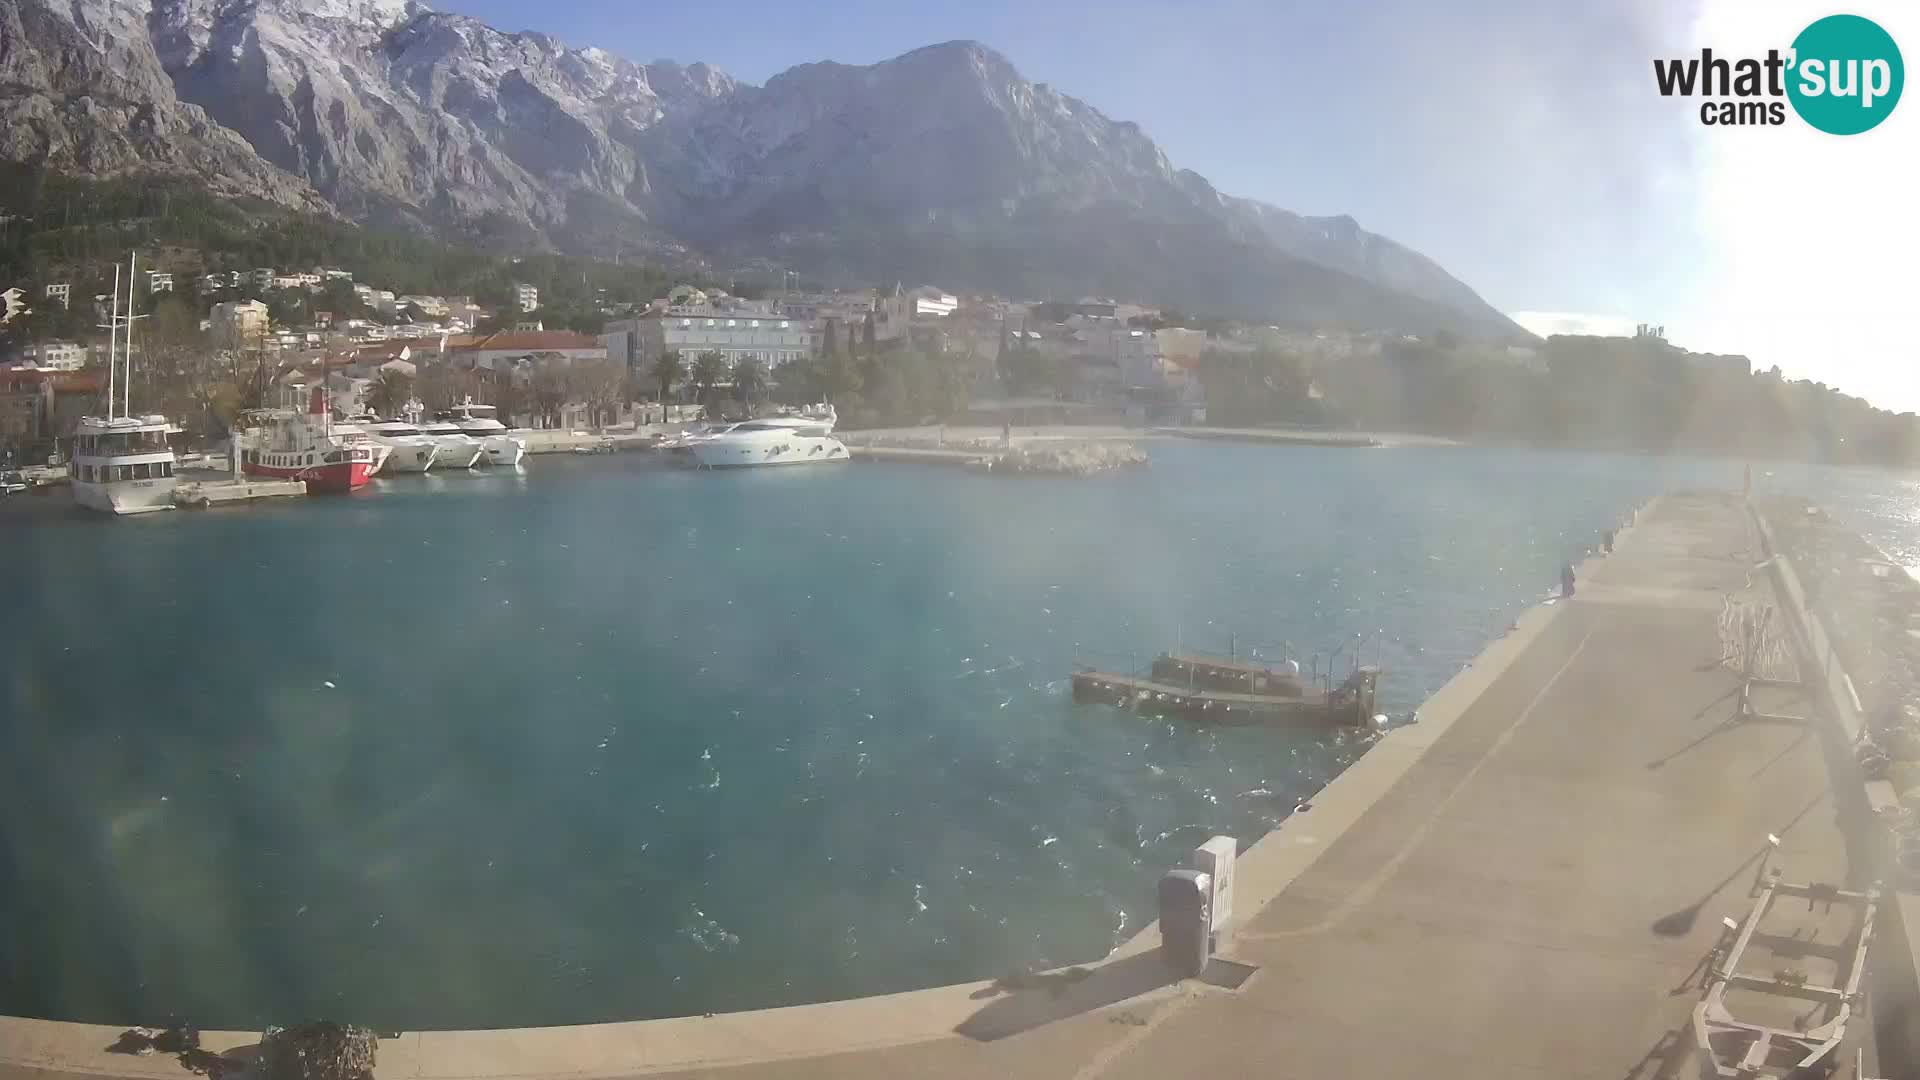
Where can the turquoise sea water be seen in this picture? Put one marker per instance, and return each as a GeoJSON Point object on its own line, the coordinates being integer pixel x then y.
{"type": "Point", "coordinates": [601, 739]}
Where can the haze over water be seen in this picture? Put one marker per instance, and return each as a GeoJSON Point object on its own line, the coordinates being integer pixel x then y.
{"type": "Point", "coordinates": [605, 740]}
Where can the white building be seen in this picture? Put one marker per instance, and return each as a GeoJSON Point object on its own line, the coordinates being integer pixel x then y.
{"type": "Point", "coordinates": [263, 277]}
{"type": "Point", "coordinates": [159, 281]}
{"type": "Point", "coordinates": [526, 297]}
{"type": "Point", "coordinates": [932, 303]}
{"type": "Point", "coordinates": [749, 330]}
{"type": "Point", "coordinates": [239, 323]}
{"type": "Point", "coordinates": [431, 306]}
{"type": "Point", "coordinates": [55, 356]}
{"type": "Point", "coordinates": [332, 274]}
{"type": "Point", "coordinates": [510, 350]}
{"type": "Point", "coordinates": [12, 304]}
{"type": "Point", "coordinates": [61, 292]}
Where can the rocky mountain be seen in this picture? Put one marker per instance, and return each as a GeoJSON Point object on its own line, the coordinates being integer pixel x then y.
{"type": "Point", "coordinates": [943, 164]}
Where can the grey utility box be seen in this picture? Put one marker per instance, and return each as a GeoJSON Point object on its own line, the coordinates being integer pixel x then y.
{"type": "Point", "coordinates": [1186, 921]}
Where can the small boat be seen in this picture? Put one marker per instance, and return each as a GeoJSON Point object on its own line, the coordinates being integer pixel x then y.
{"type": "Point", "coordinates": [1350, 703]}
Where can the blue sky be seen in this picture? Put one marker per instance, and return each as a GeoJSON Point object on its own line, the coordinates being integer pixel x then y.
{"type": "Point", "coordinates": [1520, 143]}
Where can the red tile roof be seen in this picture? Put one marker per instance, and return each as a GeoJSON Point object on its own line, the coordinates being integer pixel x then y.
{"type": "Point", "coordinates": [535, 341]}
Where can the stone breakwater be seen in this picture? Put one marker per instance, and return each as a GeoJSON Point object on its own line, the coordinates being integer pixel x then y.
{"type": "Point", "coordinates": [1071, 459]}
{"type": "Point", "coordinates": [1871, 608]}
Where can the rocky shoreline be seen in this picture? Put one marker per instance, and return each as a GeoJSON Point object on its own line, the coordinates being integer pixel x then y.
{"type": "Point", "coordinates": [1070, 459]}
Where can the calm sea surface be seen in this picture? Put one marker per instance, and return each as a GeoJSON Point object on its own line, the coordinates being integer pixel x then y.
{"type": "Point", "coordinates": [601, 739]}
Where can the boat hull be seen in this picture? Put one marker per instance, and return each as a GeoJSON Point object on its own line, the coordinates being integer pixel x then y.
{"type": "Point", "coordinates": [501, 450]}
{"type": "Point", "coordinates": [125, 497]}
{"type": "Point", "coordinates": [330, 478]}
{"type": "Point", "coordinates": [456, 452]}
{"type": "Point", "coordinates": [410, 457]}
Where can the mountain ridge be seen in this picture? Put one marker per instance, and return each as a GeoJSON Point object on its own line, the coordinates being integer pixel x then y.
{"type": "Point", "coordinates": [943, 163]}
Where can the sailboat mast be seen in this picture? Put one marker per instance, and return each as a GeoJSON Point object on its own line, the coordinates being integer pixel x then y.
{"type": "Point", "coordinates": [126, 391]}
{"type": "Point", "coordinates": [113, 328]}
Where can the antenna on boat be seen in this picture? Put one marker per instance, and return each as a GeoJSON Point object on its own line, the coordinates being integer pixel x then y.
{"type": "Point", "coordinates": [126, 348]}
{"type": "Point", "coordinates": [113, 328]}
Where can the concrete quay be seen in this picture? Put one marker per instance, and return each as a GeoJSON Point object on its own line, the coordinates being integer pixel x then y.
{"type": "Point", "coordinates": [1527, 882]}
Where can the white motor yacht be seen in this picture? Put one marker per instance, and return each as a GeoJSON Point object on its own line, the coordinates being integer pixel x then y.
{"type": "Point", "coordinates": [482, 422]}
{"type": "Point", "coordinates": [802, 438]}
{"type": "Point", "coordinates": [455, 448]}
{"type": "Point", "coordinates": [411, 451]}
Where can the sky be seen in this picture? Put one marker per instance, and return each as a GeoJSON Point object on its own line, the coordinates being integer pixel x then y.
{"type": "Point", "coordinates": [1519, 143]}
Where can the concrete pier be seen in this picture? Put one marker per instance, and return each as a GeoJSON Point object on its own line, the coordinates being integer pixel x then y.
{"type": "Point", "coordinates": [1527, 882]}
{"type": "Point", "coordinates": [201, 489]}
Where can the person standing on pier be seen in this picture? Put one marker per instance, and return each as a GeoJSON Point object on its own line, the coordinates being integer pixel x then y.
{"type": "Point", "coordinates": [1566, 581]}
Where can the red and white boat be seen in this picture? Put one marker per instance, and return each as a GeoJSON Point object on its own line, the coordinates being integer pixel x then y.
{"type": "Point", "coordinates": [304, 446]}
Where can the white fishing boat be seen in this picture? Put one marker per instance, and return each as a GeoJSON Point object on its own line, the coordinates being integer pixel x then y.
{"type": "Point", "coordinates": [482, 423]}
{"type": "Point", "coordinates": [798, 438]}
{"type": "Point", "coordinates": [122, 463]}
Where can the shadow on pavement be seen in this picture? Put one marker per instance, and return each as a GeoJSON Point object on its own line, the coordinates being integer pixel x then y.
{"type": "Point", "coordinates": [1026, 1009]}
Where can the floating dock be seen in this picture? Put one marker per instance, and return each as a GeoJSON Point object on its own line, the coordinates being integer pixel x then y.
{"type": "Point", "coordinates": [203, 489]}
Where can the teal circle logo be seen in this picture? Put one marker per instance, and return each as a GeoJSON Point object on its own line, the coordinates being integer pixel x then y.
{"type": "Point", "coordinates": [1846, 75]}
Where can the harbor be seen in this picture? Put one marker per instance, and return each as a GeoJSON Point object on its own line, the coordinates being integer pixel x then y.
{"type": "Point", "coordinates": [1541, 804]}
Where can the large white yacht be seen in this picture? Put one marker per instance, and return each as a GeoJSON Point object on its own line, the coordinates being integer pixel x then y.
{"type": "Point", "coordinates": [800, 438]}
{"type": "Point", "coordinates": [454, 448]}
{"type": "Point", "coordinates": [409, 449]}
{"type": "Point", "coordinates": [482, 422]}
{"type": "Point", "coordinates": [122, 464]}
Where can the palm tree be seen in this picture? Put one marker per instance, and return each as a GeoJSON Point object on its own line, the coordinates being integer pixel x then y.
{"type": "Point", "coordinates": [668, 371]}
{"type": "Point", "coordinates": [749, 378]}
{"type": "Point", "coordinates": [710, 369]}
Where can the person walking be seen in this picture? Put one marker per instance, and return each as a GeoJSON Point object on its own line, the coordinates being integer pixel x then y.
{"type": "Point", "coordinates": [1566, 581]}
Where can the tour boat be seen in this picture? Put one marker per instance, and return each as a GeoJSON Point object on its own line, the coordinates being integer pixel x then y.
{"type": "Point", "coordinates": [301, 446]}
{"type": "Point", "coordinates": [482, 423]}
{"type": "Point", "coordinates": [122, 464]}
{"type": "Point", "coordinates": [802, 438]}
